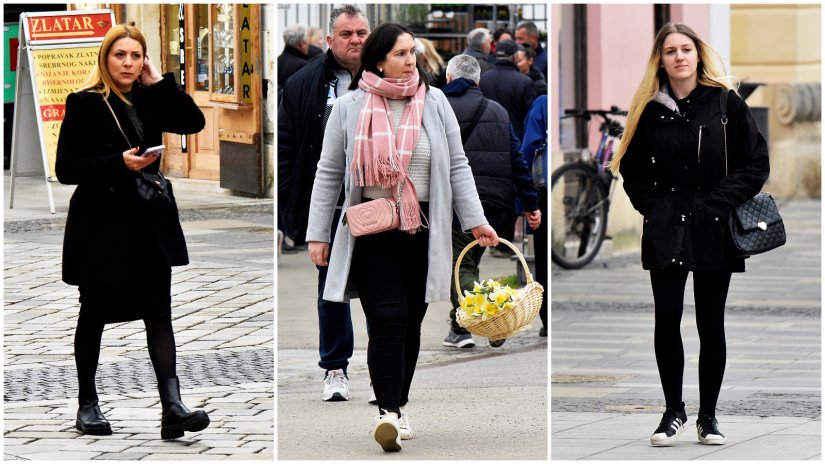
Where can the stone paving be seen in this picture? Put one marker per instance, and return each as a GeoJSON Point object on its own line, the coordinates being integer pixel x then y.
{"type": "Point", "coordinates": [606, 393]}
{"type": "Point", "coordinates": [222, 312]}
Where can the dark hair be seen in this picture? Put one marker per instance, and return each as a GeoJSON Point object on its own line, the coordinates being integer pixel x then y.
{"type": "Point", "coordinates": [529, 53]}
{"type": "Point", "coordinates": [349, 10]}
{"type": "Point", "coordinates": [378, 44]}
{"type": "Point", "coordinates": [499, 32]}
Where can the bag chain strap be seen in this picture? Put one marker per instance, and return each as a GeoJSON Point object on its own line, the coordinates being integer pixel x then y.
{"type": "Point", "coordinates": [117, 122]}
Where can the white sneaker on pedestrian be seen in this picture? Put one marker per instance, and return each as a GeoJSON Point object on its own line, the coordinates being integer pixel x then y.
{"type": "Point", "coordinates": [336, 386]}
{"type": "Point", "coordinates": [373, 399]}
{"type": "Point", "coordinates": [387, 433]}
{"type": "Point", "coordinates": [404, 426]}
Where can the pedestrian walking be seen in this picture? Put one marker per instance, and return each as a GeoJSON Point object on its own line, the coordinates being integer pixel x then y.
{"type": "Point", "coordinates": [524, 60]}
{"type": "Point", "coordinates": [390, 120]}
{"type": "Point", "coordinates": [431, 62]}
{"type": "Point", "coordinates": [119, 247]}
{"type": "Point", "coordinates": [674, 163]}
{"type": "Point", "coordinates": [499, 170]}
{"type": "Point", "coordinates": [479, 45]}
{"type": "Point", "coordinates": [505, 85]}
{"type": "Point", "coordinates": [527, 35]}
{"type": "Point", "coordinates": [535, 144]}
{"type": "Point", "coordinates": [294, 56]}
{"type": "Point", "coordinates": [305, 107]}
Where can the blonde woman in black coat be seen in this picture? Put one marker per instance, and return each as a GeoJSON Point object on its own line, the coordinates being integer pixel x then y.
{"type": "Point", "coordinates": [117, 249]}
{"type": "Point", "coordinates": [672, 159]}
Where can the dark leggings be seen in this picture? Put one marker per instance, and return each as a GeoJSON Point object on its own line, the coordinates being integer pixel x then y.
{"type": "Point", "coordinates": [710, 293]}
{"type": "Point", "coordinates": [389, 271]}
{"type": "Point", "coordinates": [159, 337]}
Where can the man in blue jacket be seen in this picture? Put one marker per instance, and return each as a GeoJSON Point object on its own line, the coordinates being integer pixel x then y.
{"type": "Point", "coordinates": [303, 111]}
{"type": "Point", "coordinates": [498, 168]}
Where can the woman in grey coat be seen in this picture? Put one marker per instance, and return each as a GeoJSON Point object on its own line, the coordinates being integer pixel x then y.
{"type": "Point", "coordinates": [392, 116]}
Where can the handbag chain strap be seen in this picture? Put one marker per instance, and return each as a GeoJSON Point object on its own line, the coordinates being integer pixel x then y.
{"type": "Point", "coordinates": [117, 122]}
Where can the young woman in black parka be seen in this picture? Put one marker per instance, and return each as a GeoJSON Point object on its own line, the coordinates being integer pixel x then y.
{"type": "Point", "coordinates": [672, 159]}
{"type": "Point", "coordinates": [118, 250]}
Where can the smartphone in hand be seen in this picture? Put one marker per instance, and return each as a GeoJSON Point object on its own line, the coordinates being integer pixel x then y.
{"type": "Point", "coordinates": [157, 150]}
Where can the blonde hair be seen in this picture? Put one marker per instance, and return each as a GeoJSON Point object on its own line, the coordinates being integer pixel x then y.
{"type": "Point", "coordinates": [433, 63]}
{"type": "Point", "coordinates": [100, 79]}
{"type": "Point", "coordinates": [710, 71]}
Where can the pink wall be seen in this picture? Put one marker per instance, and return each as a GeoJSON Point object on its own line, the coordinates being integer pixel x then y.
{"type": "Point", "coordinates": [695, 16]}
{"type": "Point", "coordinates": [553, 52]}
{"type": "Point", "coordinates": [619, 41]}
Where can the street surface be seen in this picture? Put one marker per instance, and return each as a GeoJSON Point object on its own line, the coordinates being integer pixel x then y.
{"type": "Point", "coordinates": [222, 313]}
{"type": "Point", "coordinates": [479, 403]}
{"type": "Point", "coordinates": [606, 394]}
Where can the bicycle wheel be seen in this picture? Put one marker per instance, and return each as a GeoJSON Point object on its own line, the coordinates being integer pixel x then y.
{"type": "Point", "coordinates": [579, 215]}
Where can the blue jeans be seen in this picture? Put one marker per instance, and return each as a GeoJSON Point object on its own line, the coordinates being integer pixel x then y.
{"type": "Point", "coordinates": [336, 340]}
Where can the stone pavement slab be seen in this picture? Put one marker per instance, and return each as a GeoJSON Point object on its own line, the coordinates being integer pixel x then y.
{"type": "Point", "coordinates": [583, 435]}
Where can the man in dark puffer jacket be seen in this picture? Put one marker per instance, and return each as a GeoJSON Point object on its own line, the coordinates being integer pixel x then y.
{"type": "Point", "coordinates": [498, 168]}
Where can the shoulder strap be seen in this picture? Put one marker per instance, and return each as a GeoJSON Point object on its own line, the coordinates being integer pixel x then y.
{"type": "Point", "coordinates": [723, 108]}
{"type": "Point", "coordinates": [468, 131]}
{"type": "Point", "coordinates": [118, 122]}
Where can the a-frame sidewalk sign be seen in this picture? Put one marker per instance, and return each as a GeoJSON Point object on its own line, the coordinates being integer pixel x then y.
{"type": "Point", "coordinates": [57, 51]}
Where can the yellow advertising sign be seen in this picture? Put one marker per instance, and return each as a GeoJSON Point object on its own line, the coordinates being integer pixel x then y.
{"type": "Point", "coordinates": [58, 72]}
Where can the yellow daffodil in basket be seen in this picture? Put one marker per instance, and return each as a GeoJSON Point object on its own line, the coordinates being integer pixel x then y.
{"type": "Point", "coordinates": [494, 310]}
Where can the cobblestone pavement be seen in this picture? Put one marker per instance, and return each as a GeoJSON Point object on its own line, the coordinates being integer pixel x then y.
{"type": "Point", "coordinates": [223, 319]}
{"type": "Point", "coordinates": [604, 369]}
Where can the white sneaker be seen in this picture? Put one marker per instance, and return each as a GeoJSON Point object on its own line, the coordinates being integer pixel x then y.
{"type": "Point", "coordinates": [387, 433]}
{"type": "Point", "coordinates": [404, 426]}
{"type": "Point", "coordinates": [373, 399]}
{"type": "Point", "coordinates": [336, 386]}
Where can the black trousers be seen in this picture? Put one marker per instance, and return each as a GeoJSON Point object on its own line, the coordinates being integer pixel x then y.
{"type": "Point", "coordinates": [710, 294]}
{"type": "Point", "coordinates": [389, 271]}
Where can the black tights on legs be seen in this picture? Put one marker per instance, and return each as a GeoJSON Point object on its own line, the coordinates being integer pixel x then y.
{"type": "Point", "coordinates": [161, 342]}
{"type": "Point", "coordinates": [710, 294]}
{"type": "Point", "coordinates": [87, 338]}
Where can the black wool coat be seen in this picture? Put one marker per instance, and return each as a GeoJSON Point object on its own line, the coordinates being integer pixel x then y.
{"type": "Point", "coordinates": [110, 235]}
{"type": "Point", "coordinates": [674, 174]}
{"type": "Point", "coordinates": [505, 85]}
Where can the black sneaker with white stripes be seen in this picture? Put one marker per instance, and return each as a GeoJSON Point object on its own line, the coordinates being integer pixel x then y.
{"type": "Point", "coordinates": [707, 430]}
{"type": "Point", "coordinates": [672, 423]}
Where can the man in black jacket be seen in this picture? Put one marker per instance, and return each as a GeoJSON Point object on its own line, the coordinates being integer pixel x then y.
{"type": "Point", "coordinates": [294, 56]}
{"type": "Point", "coordinates": [498, 168]}
{"type": "Point", "coordinates": [479, 42]}
{"type": "Point", "coordinates": [303, 111]}
{"type": "Point", "coordinates": [505, 85]}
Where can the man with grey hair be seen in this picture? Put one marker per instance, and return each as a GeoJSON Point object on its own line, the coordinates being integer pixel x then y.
{"type": "Point", "coordinates": [527, 35]}
{"type": "Point", "coordinates": [303, 111]}
{"type": "Point", "coordinates": [294, 56]}
{"type": "Point", "coordinates": [478, 46]}
{"type": "Point", "coordinates": [492, 149]}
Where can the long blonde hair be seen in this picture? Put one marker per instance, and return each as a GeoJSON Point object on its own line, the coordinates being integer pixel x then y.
{"type": "Point", "coordinates": [100, 79]}
{"type": "Point", "coordinates": [710, 71]}
{"type": "Point", "coordinates": [433, 63]}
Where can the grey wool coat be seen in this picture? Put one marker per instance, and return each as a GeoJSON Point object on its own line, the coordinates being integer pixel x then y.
{"type": "Point", "coordinates": [451, 187]}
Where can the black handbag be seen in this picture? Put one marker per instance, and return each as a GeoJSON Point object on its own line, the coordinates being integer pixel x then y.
{"type": "Point", "coordinates": [151, 189]}
{"type": "Point", "coordinates": [755, 225]}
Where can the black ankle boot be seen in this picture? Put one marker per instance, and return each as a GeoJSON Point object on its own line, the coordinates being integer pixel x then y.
{"type": "Point", "coordinates": [90, 420]}
{"type": "Point", "coordinates": [176, 417]}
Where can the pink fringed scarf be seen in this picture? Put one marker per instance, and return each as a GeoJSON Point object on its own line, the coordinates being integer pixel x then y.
{"type": "Point", "coordinates": [381, 154]}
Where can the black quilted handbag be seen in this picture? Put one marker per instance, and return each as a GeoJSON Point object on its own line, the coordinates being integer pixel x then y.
{"type": "Point", "coordinates": [153, 190]}
{"type": "Point", "coordinates": [756, 226]}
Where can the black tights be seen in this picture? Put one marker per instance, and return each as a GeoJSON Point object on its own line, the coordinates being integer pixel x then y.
{"type": "Point", "coordinates": [159, 338]}
{"type": "Point", "coordinates": [710, 293]}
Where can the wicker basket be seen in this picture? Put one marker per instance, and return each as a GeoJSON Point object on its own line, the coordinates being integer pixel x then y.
{"type": "Point", "coordinates": [504, 324]}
